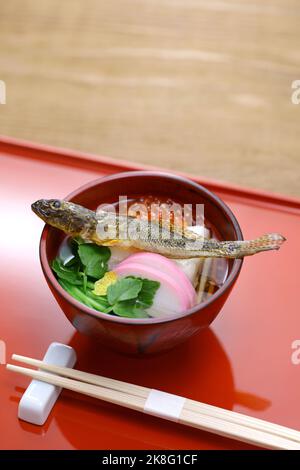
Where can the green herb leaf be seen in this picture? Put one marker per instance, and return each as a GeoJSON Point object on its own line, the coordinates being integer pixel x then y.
{"type": "Point", "coordinates": [129, 309]}
{"type": "Point", "coordinates": [98, 303]}
{"type": "Point", "coordinates": [147, 292]}
{"type": "Point", "coordinates": [94, 258]}
{"type": "Point", "coordinates": [128, 297]}
{"type": "Point", "coordinates": [71, 261]}
{"type": "Point", "coordinates": [124, 289]}
{"type": "Point", "coordinates": [84, 277]}
{"type": "Point", "coordinates": [69, 274]}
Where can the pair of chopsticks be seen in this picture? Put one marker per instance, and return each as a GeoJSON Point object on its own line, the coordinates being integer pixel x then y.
{"type": "Point", "coordinates": [195, 414]}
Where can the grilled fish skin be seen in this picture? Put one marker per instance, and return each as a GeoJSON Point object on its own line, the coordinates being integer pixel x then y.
{"type": "Point", "coordinates": [107, 228]}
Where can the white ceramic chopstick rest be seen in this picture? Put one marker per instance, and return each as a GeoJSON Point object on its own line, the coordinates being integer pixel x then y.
{"type": "Point", "coordinates": [40, 397]}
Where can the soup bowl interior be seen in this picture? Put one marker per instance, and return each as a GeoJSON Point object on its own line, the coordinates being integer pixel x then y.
{"type": "Point", "coordinates": [141, 336]}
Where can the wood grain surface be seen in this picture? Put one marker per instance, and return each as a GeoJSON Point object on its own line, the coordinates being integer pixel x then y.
{"type": "Point", "coordinates": [202, 86]}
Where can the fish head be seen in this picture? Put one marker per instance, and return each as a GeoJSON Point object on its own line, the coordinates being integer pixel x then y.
{"type": "Point", "coordinates": [64, 215]}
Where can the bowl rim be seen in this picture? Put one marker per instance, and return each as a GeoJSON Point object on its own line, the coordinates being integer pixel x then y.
{"type": "Point", "coordinates": [237, 263]}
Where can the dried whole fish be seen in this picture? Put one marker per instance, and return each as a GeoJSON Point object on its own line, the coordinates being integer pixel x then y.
{"type": "Point", "coordinates": [108, 228]}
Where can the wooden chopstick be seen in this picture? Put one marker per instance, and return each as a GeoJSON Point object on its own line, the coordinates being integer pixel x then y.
{"type": "Point", "coordinates": [203, 279]}
{"type": "Point", "coordinates": [86, 377]}
{"type": "Point", "coordinates": [188, 417]}
{"type": "Point", "coordinates": [143, 392]}
{"type": "Point", "coordinates": [95, 391]}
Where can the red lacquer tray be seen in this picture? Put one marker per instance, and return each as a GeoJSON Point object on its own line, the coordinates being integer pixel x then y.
{"type": "Point", "coordinates": [243, 362]}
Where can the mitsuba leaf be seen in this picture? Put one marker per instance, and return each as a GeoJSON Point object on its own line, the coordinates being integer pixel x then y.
{"type": "Point", "coordinates": [124, 289]}
{"type": "Point", "coordinates": [94, 258]}
{"type": "Point", "coordinates": [69, 274]}
{"type": "Point", "coordinates": [147, 292]}
{"type": "Point", "coordinates": [129, 309]}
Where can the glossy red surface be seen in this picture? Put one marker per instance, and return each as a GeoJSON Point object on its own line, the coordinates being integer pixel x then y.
{"type": "Point", "coordinates": [243, 362]}
{"type": "Point", "coordinates": [151, 335]}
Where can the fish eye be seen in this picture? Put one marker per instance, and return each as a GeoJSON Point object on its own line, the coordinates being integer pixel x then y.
{"type": "Point", "coordinates": [56, 204]}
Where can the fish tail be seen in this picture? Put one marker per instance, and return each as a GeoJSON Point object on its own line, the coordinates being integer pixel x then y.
{"type": "Point", "coordinates": [269, 241]}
